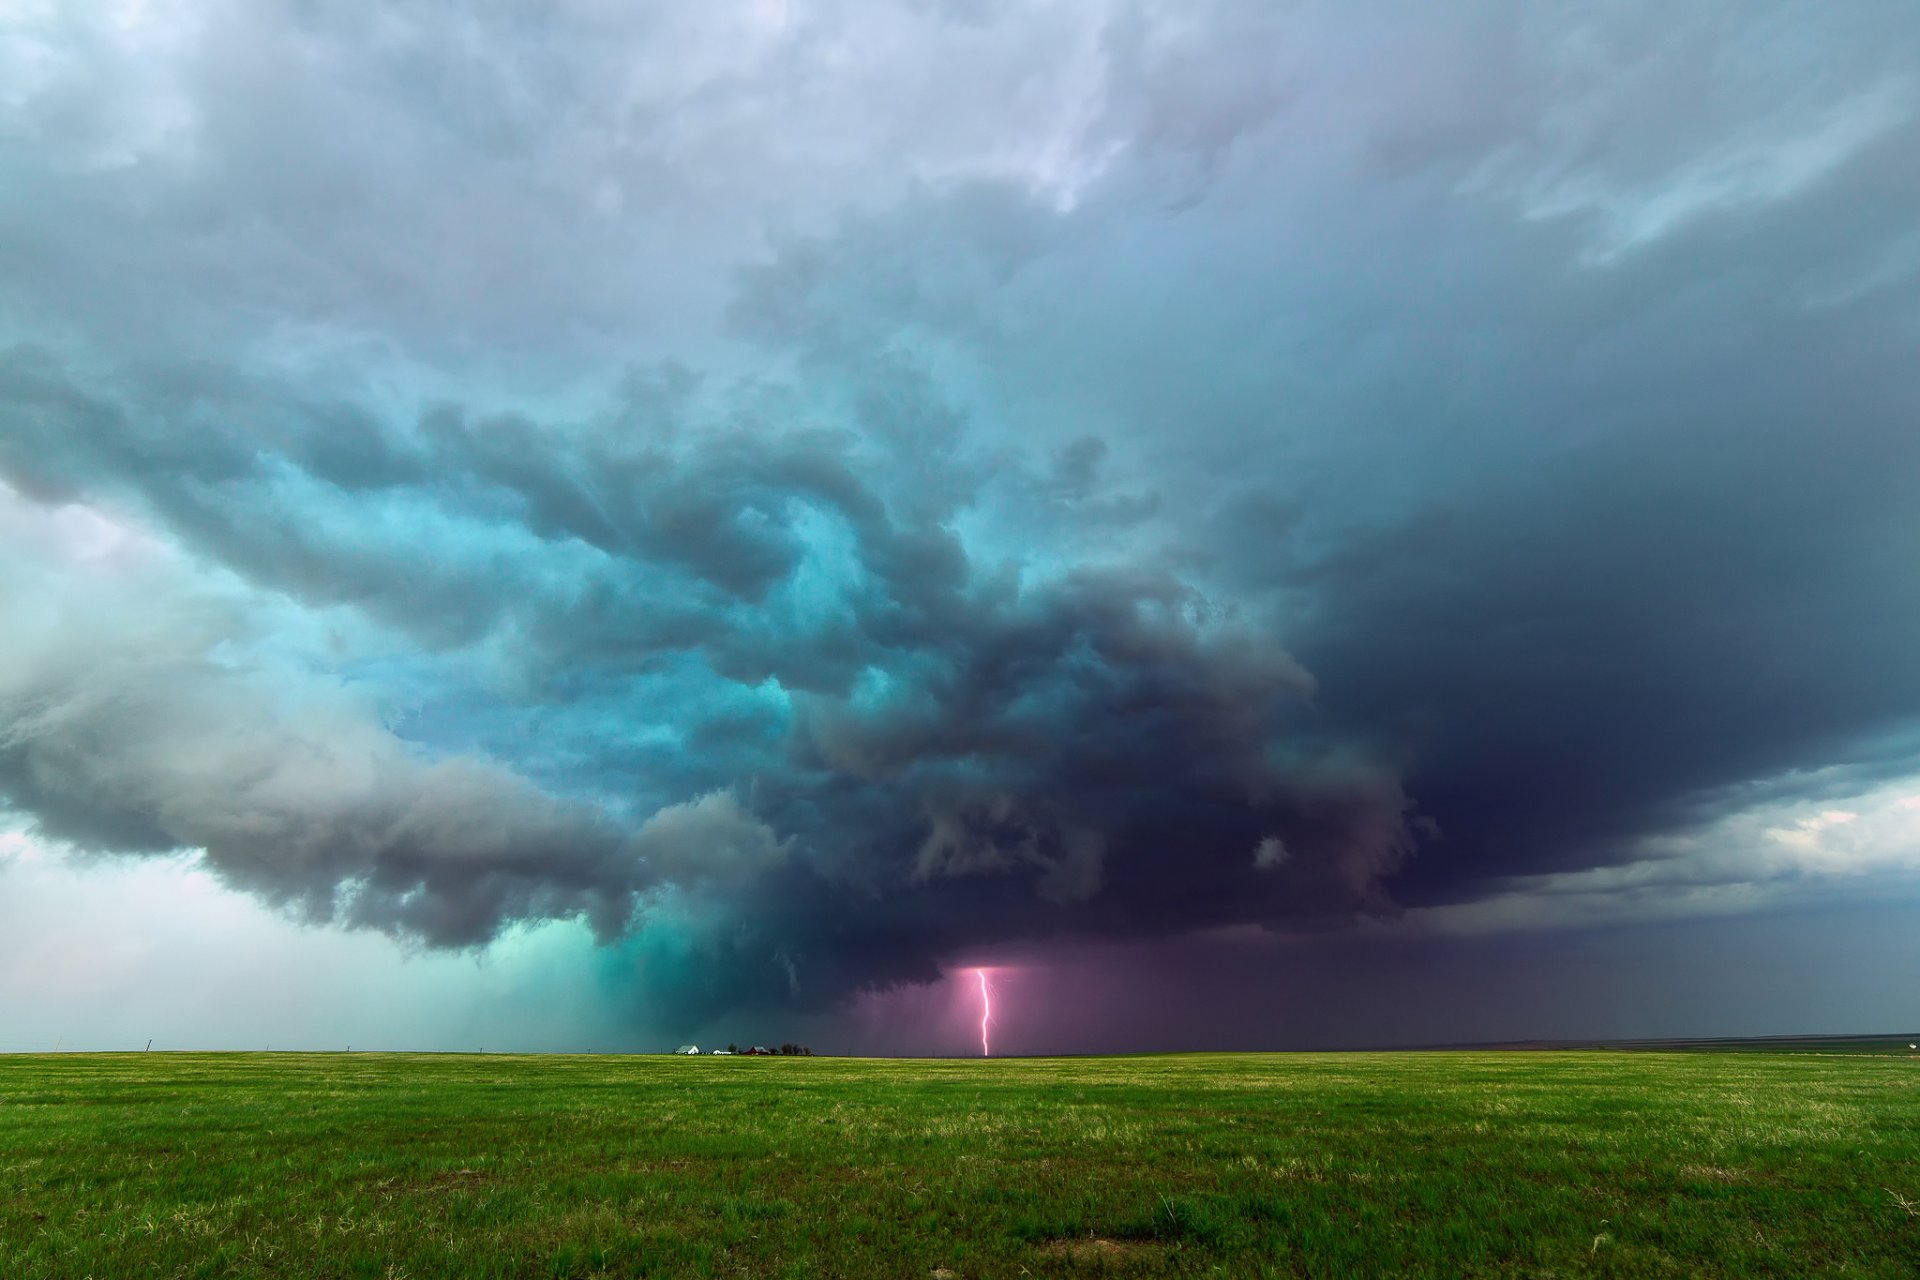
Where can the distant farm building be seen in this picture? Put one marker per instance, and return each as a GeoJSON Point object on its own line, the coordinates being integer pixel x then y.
{"type": "Point", "coordinates": [688, 1048]}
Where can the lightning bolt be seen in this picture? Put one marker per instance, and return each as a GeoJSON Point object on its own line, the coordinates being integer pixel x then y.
{"type": "Point", "coordinates": [986, 1013]}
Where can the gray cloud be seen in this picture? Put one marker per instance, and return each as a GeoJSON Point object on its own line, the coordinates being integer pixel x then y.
{"type": "Point", "coordinates": [122, 730]}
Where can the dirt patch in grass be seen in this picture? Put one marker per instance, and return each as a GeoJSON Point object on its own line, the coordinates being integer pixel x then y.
{"type": "Point", "coordinates": [1095, 1249]}
{"type": "Point", "coordinates": [454, 1180]}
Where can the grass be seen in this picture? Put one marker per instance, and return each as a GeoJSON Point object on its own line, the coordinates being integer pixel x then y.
{"type": "Point", "coordinates": [1443, 1164]}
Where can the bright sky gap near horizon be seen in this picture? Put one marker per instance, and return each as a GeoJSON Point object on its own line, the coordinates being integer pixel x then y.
{"type": "Point", "coordinates": [1257, 525]}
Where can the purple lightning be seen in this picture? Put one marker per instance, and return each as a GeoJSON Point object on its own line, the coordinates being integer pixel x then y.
{"type": "Point", "coordinates": [986, 1012]}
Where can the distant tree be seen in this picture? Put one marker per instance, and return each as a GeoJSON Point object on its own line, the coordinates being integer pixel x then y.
{"type": "Point", "coordinates": [732, 1047]}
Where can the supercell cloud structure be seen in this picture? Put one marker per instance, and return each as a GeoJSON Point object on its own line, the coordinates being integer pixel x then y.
{"type": "Point", "coordinates": [826, 492]}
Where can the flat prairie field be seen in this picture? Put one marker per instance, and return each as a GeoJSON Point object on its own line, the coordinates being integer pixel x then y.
{"type": "Point", "coordinates": [1389, 1164]}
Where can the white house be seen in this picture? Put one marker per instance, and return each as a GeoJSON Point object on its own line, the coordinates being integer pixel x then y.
{"type": "Point", "coordinates": [688, 1048]}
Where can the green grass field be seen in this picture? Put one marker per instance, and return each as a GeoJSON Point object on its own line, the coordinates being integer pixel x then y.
{"type": "Point", "coordinates": [1441, 1164]}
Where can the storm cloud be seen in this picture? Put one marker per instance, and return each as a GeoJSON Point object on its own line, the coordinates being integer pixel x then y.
{"type": "Point", "coordinates": [825, 492]}
{"type": "Point", "coordinates": [776, 695]}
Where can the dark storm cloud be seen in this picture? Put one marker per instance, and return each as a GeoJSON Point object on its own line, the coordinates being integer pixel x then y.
{"type": "Point", "coordinates": [1691, 577]}
{"type": "Point", "coordinates": [1253, 466]}
{"type": "Point", "coordinates": [1589, 651]}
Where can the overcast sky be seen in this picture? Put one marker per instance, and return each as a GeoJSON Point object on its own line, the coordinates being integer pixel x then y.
{"type": "Point", "coordinates": [587, 525]}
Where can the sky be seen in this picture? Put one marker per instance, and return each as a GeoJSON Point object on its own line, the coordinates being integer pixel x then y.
{"type": "Point", "coordinates": [1257, 525]}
